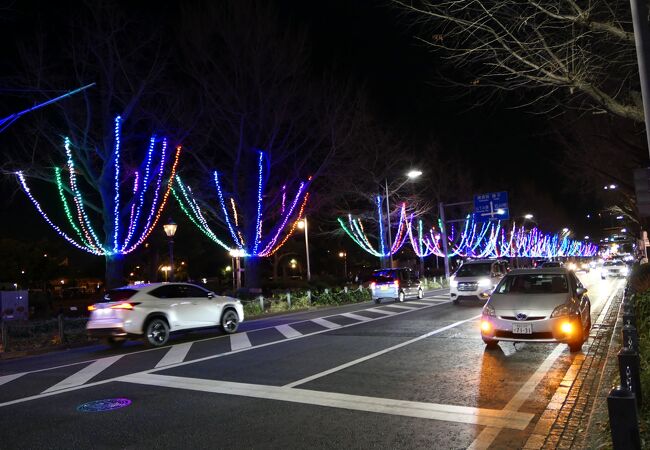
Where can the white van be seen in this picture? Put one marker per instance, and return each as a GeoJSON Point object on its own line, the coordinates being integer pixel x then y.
{"type": "Point", "coordinates": [476, 279]}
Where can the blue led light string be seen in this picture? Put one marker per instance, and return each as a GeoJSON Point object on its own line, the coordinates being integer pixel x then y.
{"type": "Point", "coordinates": [258, 219]}
{"type": "Point", "coordinates": [116, 198]}
{"type": "Point", "coordinates": [235, 238]}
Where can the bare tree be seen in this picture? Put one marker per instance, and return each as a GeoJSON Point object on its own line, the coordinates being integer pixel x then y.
{"type": "Point", "coordinates": [569, 53]}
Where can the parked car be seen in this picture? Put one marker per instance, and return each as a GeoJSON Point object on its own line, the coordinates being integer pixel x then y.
{"type": "Point", "coordinates": [397, 284]}
{"type": "Point", "coordinates": [614, 268]}
{"type": "Point", "coordinates": [476, 279]}
{"type": "Point", "coordinates": [538, 305]}
{"type": "Point", "coordinates": [155, 310]}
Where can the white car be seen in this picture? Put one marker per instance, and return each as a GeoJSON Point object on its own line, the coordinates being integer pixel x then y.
{"type": "Point", "coordinates": [614, 268]}
{"type": "Point", "coordinates": [155, 310]}
{"type": "Point", "coordinates": [538, 305]}
{"type": "Point", "coordinates": [476, 279]}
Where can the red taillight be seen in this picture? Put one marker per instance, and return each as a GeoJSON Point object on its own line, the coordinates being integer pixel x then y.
{"type": "Point", "coordinates": [92, 308]}
{"type": "Point", "coordinates": [396, 283]}
{"type": "Point", "coordinates": [372, 285]}
{"type": "Point", "coordinates": [124, 305]}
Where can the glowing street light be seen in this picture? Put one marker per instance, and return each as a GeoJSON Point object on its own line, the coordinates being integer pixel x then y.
{"type": "Point", "coordinates": [170, 230]}
{"type": "Point", "coordinates": [528, 216]}
{"type": "Point", "coordinates": [344, 255]}
{"type": "Point", "coordinates": [412, 174]}
{"type": "Point", "coordinates": [302, 225]}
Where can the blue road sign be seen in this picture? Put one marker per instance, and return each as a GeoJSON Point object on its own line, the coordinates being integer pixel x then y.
{"type": "Point", "coordinates": [492, 206]}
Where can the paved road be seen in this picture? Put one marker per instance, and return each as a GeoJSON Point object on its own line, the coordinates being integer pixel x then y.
{"type": "Point", "coordinates": [411, 375]}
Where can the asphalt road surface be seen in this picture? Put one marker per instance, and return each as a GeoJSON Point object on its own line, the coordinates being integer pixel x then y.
{"type": "Point", "coordinates": [409, 375]}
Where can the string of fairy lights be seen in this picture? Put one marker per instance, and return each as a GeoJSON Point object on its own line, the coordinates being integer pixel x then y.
{"type": "Point", "coordinates": [476, 240]}
{"type": "Point", "coordinates": [145, 193]}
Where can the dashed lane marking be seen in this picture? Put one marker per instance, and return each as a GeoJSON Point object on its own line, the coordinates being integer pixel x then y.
{"type": "Point", "coordinates": [85, 374]}
{"type": "Point", "coordinates": [326, 323]}
{"type": "Point", "coordinates": [432, 411]}
{"type": "Point", "coordinates": [356, 317]}
{"type": "Point", "coordinates": [176, 354]}
{"type": "Point", "coordinates": [239, 341]}
{"type": "Point", "coordinates": [382, 311]}
{"type": "Point", "coordinates": [12, 377]}
{"type": "Point", "coordinates": [402, 307]}
{"type": "Point", "coordinates": [288, 332]}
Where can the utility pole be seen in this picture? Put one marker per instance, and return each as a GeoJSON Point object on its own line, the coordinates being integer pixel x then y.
{"type": "Point", "coordinates": [642, 39]}
{"type": "Point", "coordinates": [307, 248]}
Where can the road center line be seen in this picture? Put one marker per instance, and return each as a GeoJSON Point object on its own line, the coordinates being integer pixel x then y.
{"type": "Point", "coordinates": [432, 411]}
{"type": "Point", "coordinates": [379, 353]}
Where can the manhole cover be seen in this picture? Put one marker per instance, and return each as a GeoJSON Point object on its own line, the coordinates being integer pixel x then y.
{"type": "Point", "coordinates": [108, 404]}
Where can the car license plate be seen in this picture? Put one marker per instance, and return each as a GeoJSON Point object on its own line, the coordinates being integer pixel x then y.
{"type": "Point", "coordinates": [383, 288]}
{"type": "Point", "coordinates": [105, 313]}
{"type": "Point", "coordinates": [522, 328]}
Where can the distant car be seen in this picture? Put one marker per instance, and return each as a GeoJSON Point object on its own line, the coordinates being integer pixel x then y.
{"type": "Point", "coordinates": [547, 264]}
{"type": "Point", "coordinates": [396, 284]}
{"type": "Point", "coordinates": [538, 305]}
{"type": "Point", "coordinates": [476, 279]}
{"type": "Point", "coordinates": [155, 310]}
{"type": "Point", "coordinates": [614, 268]}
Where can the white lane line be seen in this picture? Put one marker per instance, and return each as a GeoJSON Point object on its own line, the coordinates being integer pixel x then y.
{"type": "Point", "coordinates": [7, 378]}
{"type": "Point", "coordinates": [416, 302]}
{"type": "Point", "coordinates": [175, 354]}
{"type": "Point", "coordinates": [356, 317]}
{"type": "Point", "coordinates": [379, 353]}
{"type": "Point", "coordinates": [487, 436]}
{"type": "Point", "coordinates": [194, 361]}
{"type": "Point", "coordinates": [288, 332]}
{"type": "Point", "coordinates": [403, 307]}
{"type": "Point", "coordinates": [85, 374]}
{"type": "Point", "coordinates": [381, 311]}
{"type": "Point", "coordinates": [432, 411]}
{"type": "Point", "coordinates": [239, 341]}
{"type": "Point", "coordinates": [325, 323]}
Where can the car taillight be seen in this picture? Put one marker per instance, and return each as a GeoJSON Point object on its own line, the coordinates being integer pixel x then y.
{"type": "Point", "coordinates": [372, 285]}
{"type": "Point", "coordinates": [396, 283]}
{"type": "Point", "coordinates": [124, 305]}
{"type": "Point", "coordinates": [92, 308]}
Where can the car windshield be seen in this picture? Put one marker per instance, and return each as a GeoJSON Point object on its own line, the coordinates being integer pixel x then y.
{"type": "Point", "coordinates": [542, 283]}
{"type": "Point", "coordinates": [474, 270]}
{"type": "Point", "coordinates": [613, 263]}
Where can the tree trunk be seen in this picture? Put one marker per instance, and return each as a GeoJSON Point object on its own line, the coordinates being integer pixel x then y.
{"type": "Point", "coordinates": [114, 271]}
{"type": "Point", "coordinates": [252, 273]}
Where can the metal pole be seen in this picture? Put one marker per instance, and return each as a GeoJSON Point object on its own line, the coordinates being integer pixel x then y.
{"type": "Point", "coordinates": [307, 249]}
{"type": "Point", "coordinates": [171, 259]}
{"type": "Point", "coordinates": [238, 263]}
{"type": "Point", "coordinates": [642, 39]}
{"type": "Point", "coordinates": [390, 238]}
{"type": "Point", "coordinates": [345, 266]}
{"type": "Point", "coordinates": [443, 230]}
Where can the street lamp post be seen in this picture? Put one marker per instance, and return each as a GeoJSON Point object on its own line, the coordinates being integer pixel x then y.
{"type": "Point", "coordinates": [303, 226]}
{"type": "Point", "coordinates": [170, 230]}
{"type": "Point", "coordinates": [344, 255]}
{"type": "Point", "coordinates": [411, 175]}
{"type": "Point", "coordinates": [236, 254]}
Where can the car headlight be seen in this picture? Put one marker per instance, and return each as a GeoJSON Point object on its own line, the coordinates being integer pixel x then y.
{"type": "Point", "coordinates": [484, 282]}
{"type": "Point", "coordinates": [453, 283]}
{"type": "Point", "coordinates": [562, 310]}
{"type": "Point", "coordinates": [572, 266]}
{"type": "Point", "coordinates": [488, 310]}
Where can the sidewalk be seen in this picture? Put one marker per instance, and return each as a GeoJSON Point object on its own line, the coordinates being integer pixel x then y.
{"type": "Point", "coordinates": [577, 416]}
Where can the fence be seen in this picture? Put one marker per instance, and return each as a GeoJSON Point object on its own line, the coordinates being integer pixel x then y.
{"type": "Point", "coordinates": [624, 401]}
{"type": "Point", "coordinates": [23, 335]}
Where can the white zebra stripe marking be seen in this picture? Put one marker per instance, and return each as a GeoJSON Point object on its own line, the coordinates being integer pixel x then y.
{"type": "Point", "coordinates": [239, 341]}
{"type": "Point", "coordinates": [288, 332]}
{"type": "Point", "coordinates": [325, 323]}
{"type": "Point", "coordinates": [176, 354]}
{"type": "Point", "coordinates": [356, 317]}
{"type": "Point", "coordinates": [85, 374]}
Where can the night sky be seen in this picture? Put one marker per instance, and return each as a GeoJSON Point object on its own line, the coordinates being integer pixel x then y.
{"type": "Point", "coordinates": [503, 147]}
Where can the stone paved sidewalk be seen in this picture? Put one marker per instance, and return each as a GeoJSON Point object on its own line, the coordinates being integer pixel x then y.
{"type": "Point", "coordinates": [567, 421]}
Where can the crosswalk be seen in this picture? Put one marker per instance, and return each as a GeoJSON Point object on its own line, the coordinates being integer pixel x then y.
{"type": "Point", "coordinates": [46, 381]}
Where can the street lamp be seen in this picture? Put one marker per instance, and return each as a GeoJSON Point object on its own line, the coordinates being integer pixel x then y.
{"type": "Point", "coordinates": [528, 216]}
{"type": "Point", "coordinates": [344, 255]}
{"type": "Point", "coordinates": [302, 225]}
{"type": "Point", "coordinates": [411, 175]}
{"type": "Point", "coordinates": [170, 230]}
{"type": "Point", "coordinates": [237, 253]}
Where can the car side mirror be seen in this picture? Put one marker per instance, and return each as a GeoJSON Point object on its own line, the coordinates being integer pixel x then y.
{"type": "Point", "coordinates": [581, 291]}
{"type": "Point", "coordinates": [210, 294]}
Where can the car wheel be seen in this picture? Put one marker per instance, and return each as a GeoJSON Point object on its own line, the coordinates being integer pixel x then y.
{"type": "Point", "coordinates": [377, 301]}
{"type": "Point", "coordinates": [229, 321]}
{"type": "Point", "coordinates": [401, 297]}
{"type": "Point", "coordinates": [420, 293]}
{"type": "Point", "coordinates": [157, 332]}
{"type": "Point", "coordinates": [114, 343]}
{"type": "Point", "coordinates": [602, 278]}
{"type": "Point", "coordinates": [490, 343]}
{"type": "Point", "coordinates": [456, 301]}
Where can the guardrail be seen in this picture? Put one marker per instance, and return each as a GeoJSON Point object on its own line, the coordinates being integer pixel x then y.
{"type": "Point", "coordinates": [624, 401]}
